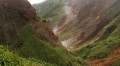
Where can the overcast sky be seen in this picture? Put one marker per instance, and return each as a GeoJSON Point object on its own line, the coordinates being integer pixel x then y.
{"type": "Point", "coordinates": [36, 1]}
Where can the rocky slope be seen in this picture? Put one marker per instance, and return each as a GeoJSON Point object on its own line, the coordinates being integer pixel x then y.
{"type": "Point", "coordinates": [9, 27]}
{"type": "Point", "coordinates": [90, 29]}
{"type": "Point", "coordinates": [87, 19]}
{"type": "Point", "coordinates": [25, 14]}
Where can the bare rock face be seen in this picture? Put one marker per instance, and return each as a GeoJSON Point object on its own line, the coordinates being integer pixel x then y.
{"type": "Point", "coordinates": [14, 15]}
{"type": "Point", "coordinates": [23, 7]}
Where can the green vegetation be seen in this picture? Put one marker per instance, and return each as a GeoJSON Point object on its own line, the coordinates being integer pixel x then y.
{"type": "Point", "coordinates": [101, 48]}
{"type": "Point", "coordinates": [67, 34]}
{"type": "Point", "coordinates": [64, 36]}
{"type": "Point", "coordinates": [7, 58]}
{"type": "Point", "coordinates": [23, 41]}
{"type": "Point", "coordinates": [116, 63]}
{"type": "Point", "coordinates": [43, 50]}
{"type": "Point", "coordinates": [32, 47]}
{"type": "Point", "coordinates": [51, 9]}
{"type": "Point", "coordinates": [30, 50]}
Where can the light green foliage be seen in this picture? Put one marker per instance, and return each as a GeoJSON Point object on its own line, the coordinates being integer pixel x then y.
{"type": "Point", "coordinates": [33, 62]}
{"type": "Point", "coordinates": [8, 59]}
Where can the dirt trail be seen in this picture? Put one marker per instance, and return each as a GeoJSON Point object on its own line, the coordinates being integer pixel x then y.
{"type": "Point", "coordinates": [111, 58]}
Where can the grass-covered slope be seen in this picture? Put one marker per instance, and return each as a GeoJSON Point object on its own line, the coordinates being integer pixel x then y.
{"type": "Point", "coordinates": [51, 9]}
{"type": "Point", "coordinates": [35, 48]}
{"type": "Point", "coordinates": [38, 49]}
{"type": "Point", "coordinates": [7, 58]}
{"type": "Point", "coordinates": [30, 46]}
{"type": "Point", "coordinates": [101, 48]}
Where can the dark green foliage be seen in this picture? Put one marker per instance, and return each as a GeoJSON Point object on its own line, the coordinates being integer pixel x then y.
{"type": "Point", "coordinates": [108, 43]}
{"type": "Point", "coordinates": [107, 32]}
{"type": "Point", "coordinates": [116, 63]}
{"type": "Point", "coordinates": [33, 47]}
{"type": "Point", "coordinates": [36, 48]}
{"type": "Point", "coordinates": [99, 49]}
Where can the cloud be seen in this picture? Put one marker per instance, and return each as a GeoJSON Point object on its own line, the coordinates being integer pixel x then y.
{"type": "Point", "coordinates": [36, 1]}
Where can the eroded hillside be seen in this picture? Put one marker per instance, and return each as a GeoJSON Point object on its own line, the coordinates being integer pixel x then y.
{"type": "Point", "coordinates": [87, 19]}
{"type": "Point", "coordinates": [88, 28]}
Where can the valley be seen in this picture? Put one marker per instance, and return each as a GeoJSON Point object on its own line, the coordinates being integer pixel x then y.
{"type": "Point", "coordinates": [60, 33]}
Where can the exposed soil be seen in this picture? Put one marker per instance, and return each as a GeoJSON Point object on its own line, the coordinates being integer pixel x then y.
{"type": "Point", "coordinates": [110, 59]}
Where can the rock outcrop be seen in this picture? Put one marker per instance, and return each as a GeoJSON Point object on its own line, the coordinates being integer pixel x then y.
{"type": "Point", "coordinates": [14, 15]}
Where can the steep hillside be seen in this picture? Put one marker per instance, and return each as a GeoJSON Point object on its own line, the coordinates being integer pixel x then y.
{"type": "Point", "coordinates": [45, 10]}
{"type": "Point", "coordinates": [22, 32]}
{"type": "Point", "coordinates": [52, 10]}
{"type": "Point", "coordinates": [82, 20]}
{"type": "Point", "coordinates": [7, 58]}
{"type": "Point", "coordinates": [24, 14]}
{"type": "Point", "coordinates": [87, 21]}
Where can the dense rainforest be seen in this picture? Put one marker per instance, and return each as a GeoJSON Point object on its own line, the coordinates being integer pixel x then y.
{"type": "Point", "coordinates": [60, 33]}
